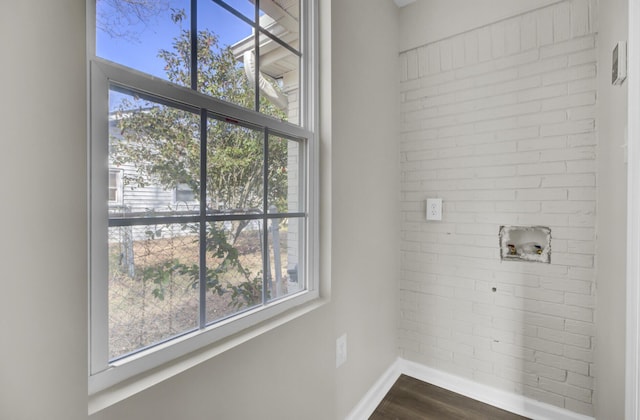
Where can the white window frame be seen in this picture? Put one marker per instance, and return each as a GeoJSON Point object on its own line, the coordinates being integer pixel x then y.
{"type": "Point", "coordinates": [102, 373]}
{"type": "Point", "coordinates": [632, 359]}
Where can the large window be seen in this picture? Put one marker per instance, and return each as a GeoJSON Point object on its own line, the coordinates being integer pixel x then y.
{"type": "Point", "coordinates": [203, 182]}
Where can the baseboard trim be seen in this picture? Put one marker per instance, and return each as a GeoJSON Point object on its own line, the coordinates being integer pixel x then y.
{"type": "Point", "coordinates": [376, 393]}
{"type": "Point", "coordinates": [505, 400]}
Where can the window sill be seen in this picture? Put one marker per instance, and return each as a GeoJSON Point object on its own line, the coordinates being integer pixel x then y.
{"type": "Point", "coordinates": [125, 389]}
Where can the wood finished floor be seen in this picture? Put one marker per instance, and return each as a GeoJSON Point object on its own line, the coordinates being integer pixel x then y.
{"type": "Point", "coordinates": [411, 399]}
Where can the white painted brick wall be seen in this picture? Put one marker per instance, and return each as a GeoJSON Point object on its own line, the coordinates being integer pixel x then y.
{"type": "Point", "coordinates": [500, 123]}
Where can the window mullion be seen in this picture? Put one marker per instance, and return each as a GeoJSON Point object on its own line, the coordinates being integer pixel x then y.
{"type": "Point", "coordinates": [203, 219]}
{"type": "Point", "coordinates": [265, 220]}
{"type": "Point", "coordinates": [194, 45]}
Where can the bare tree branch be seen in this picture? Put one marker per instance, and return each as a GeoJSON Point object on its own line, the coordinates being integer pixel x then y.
{"type": "Point", "coordinates": [116, 17]}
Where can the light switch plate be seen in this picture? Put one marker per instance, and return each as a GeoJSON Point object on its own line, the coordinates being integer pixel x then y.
{"type": "Point", "coordinates": [434, 208]}
{"type": "Point", "coordinates": [619, 64]}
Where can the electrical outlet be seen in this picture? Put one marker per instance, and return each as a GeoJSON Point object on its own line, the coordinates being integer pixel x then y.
{"type": "Point", "coordinates": [434, 208]}
{"type": "Point", "coordinates": [341, 350]}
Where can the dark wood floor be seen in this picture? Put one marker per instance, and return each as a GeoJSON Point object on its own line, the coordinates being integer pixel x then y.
{"type": "Point", "coordinates": [411, 399]}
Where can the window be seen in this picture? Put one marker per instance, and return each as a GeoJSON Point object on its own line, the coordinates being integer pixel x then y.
{"type": "Point", "coordinates": [184, 193]}
{"type": "Point", "coordinates": [115, 186]}
{"type": "Point", "coordinates": [213, 175]}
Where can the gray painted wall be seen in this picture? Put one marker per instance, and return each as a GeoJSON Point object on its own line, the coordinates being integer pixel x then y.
{"type": "Point", "coordinates": [43, 305]}
{"type": "Point", "coordinates": [612, 227]}
{"type": "Point", "coordinates": [365, 191]}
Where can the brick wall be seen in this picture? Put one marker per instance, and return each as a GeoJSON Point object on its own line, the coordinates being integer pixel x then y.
{"type": "Point", "coordinates": [500, 123]}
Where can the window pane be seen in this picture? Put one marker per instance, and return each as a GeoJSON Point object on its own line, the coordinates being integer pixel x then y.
{"type": "Point", "coordinates": [154, 37]}
{"type": "Point", "coordinates": [234, 267]}
{"type": "Point", "coordinates": [150, 36]}
{"type": "Point", "coordinates": [158, 148]}
{"type": "Point", "coordinates": [223, 39]}
{"type": "Point", "coordinates": [235, 176]}
{"type": "Point", "coordinates": [153, 285]}
{"type": "Point", "coordinates": [286, 176]}
{"type": "Point", "coordinates": [279, 82]}
{"type": "Point", "coordinates": [285, 263]}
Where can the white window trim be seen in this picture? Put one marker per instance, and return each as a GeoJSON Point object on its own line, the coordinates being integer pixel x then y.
{"type": "Point", "coordinates": [110, 383]}
{"type": "Point", "coordinates": [100, 400]}
{"type": "Point", "coordinates": [632, 379]}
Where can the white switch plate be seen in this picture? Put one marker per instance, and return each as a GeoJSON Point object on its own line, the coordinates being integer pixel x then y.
{"type": "Point", "coordinates": [341, 350]}
{"type": "Point", "coordinates": [434, 208]}
{"type": "Point", "coordinates": [619, 64]}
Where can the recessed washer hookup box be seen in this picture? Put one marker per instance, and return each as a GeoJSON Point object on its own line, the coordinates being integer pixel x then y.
{"type": "Point", "coordinates": [525, 243]}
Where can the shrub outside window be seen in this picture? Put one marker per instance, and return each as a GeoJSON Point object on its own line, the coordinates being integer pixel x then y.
{"type": "Point", "coordinates": [209, 223]}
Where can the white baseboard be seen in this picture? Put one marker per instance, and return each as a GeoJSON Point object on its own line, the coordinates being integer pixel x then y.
{"type": "Point", "coordinates": [505, 400]}
{"type": "Point", "coordinates": [376, 393]}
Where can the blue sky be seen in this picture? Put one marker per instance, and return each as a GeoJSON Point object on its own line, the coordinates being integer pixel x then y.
{"type": "Point", "coordinates": [140, 51]}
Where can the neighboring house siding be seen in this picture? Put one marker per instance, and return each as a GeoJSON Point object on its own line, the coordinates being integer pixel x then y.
{"type": "Point", "coordinates": [150, 198]}
{"type": "Point", "coordinates": [499, 122]}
